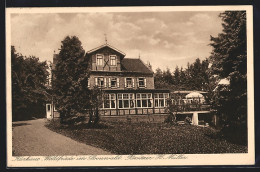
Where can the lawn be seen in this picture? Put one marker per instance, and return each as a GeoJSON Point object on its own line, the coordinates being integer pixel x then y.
{"type": "Point", "coordinates": [150, 138]}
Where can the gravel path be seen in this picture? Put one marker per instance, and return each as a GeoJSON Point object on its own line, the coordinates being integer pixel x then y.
{"type": "Point", "coordinates": [32, 138]}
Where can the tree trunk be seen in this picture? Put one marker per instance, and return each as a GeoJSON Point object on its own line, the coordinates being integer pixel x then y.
{"type": "Point", "coordinates": [96, 120]}
{"type": "Point", "coordinates": [90, 117]}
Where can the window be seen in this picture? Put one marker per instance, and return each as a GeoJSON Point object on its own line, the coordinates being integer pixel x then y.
{"type": "Point", "coordinates": [141, 82]}
{"type": "Point", "coordinates": [49, 107]}
{"type": "Point", "coordinates": [54, 108]}
{"type": "Point", "coordinates": [129, 82]}
{"type": "Point", "coordinates": [113, 60]}
{"type": "Point", "coordinates": [101, 82]}
{"type": "Point", "coordinates": [160, 99]}
{"type": "Point", "coordinates": [99, 60]}
{"type": "Point", "coordinates": [126, 100]}
{"type": "Point", "coordinates": [144, 100]}
{"type": "Point", "coordinates": [113, 82]}
{"type": "Point", "coordinates": [109, 101]}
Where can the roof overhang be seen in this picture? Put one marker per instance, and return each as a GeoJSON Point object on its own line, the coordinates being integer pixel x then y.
{"type": "Point", "coordinates": [106, 45]}
{"type": "Point", "coordinates": [108, 73]}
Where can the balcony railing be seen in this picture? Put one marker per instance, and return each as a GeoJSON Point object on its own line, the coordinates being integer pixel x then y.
{"type": "Point", "coordinates": [192, 107]}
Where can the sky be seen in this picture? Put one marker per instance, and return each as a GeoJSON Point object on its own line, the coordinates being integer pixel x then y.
{"type": "Point", "coordinates": [165, 39]}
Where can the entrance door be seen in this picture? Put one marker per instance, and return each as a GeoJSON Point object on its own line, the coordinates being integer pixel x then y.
{"type": "Point", "coordinates": [48, 111]}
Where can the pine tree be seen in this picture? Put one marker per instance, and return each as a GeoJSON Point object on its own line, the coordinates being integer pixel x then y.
{"type": "Point", "coordinates": [229, 60]}
{"type": "Point", "coordinates": [70, 79]}
{"type": "Point", "coordinates": [176, 77]}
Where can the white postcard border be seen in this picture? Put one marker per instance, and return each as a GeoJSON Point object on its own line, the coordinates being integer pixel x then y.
{"type": "Point", "coordinates": [137, 160]}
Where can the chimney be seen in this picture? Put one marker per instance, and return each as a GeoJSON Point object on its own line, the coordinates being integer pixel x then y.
{"type": "Point", "coordinates": [149, 65]}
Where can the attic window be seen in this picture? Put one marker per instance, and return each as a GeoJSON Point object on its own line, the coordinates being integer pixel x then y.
{"type": "Point", "coordinates": [99, 60]}
{"type": "Point", "coordinates": [113, 60]}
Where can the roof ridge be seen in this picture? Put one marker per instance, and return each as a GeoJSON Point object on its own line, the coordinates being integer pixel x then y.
{"type": "Point", "coordinates": [104, 45]}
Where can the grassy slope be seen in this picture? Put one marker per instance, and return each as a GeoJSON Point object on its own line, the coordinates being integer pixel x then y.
{"type": "Point", "coordinates": [147, 138]}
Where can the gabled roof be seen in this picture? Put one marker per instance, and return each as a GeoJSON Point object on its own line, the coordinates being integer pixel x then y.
{"type": "Point", "coordinates": [135, 65]}
{"type": "Point", "coordinates": [105, 45]}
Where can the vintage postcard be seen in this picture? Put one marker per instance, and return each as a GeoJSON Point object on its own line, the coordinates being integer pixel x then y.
{"type": "Point", "coordinates": [130, 86]}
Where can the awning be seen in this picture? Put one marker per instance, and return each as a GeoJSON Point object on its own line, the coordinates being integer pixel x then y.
{"type": "Point", "coordinates": [194, 95]}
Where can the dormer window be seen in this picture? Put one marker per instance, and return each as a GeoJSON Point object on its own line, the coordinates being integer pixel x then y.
{"type": "Point", "coordinates": [99, 60]}
{"type": "Point", "coordinates": [113, 60]}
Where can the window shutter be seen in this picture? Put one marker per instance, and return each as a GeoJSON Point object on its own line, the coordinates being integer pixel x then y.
{"type": "Point", "coordinates": [117, 81]}
{"type": "Point", "coordinates": [96, 82]}
{"type": "Point", "coordinates": [105, 82]}
{"type": "Point", "coordinates": [133, 80]}
{"type": "Point", "coordinates": [125, 82]}
{"type": "Point", "coordinates": [109, 82]}
{"type": "Point", "coordinates": [145, 82]}
{"type": "Point", "coordinates": [88, 83]}
{"type": "Point", "coordinates": [137, 79]}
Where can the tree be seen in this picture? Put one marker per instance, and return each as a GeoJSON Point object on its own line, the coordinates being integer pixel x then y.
{"type": "Point", "coordinates": [70, 80]}
{"type": "Point", "coordinates": [167, 76]}
{"type": "Point", "coordinates": [176, 77]}
{"type": "Point", "coordinates": [183, 79]}
{"type": "Point", "coordinates": [95, 102]}
{"type": "Point", "coordinates": [173, 107]}
{"type": "Point", "coordinates": [228, 59]}
{"type": "Point", "coordinates": [29, 92]}
{"type": "Point", "coordinates": [205, 75]}
{"type": "Point", "coordinates": [162, 79]}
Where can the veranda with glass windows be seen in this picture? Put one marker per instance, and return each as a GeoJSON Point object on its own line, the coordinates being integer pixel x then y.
{"type": "Point", "coordinates": [133, 102]}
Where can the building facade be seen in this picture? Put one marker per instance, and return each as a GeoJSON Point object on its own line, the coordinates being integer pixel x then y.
{"type": "Point", "coordinates": [128, 83]}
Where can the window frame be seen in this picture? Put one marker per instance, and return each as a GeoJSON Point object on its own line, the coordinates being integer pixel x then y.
{"type": "Point", "coordinates": [141, 86]}
{"type": "Point", "coordinates": [140, 97]}
{"type": "Point", "coordinates": [111, 79]}
{"type": "Point", "coordinates": [131, 85]}
{"type": "Point", "coordinates": [115, 60]}
{"type": "Point", "coordinates": [157, 99]}
{"type": "Point", "coordinates": [101, 86]}
{"type": "Point", "coordinates": [131, 97]}
{"type": "Point", "coordinates": [97, 57]}
{"type": "Point", "coordinates": [110, 99]}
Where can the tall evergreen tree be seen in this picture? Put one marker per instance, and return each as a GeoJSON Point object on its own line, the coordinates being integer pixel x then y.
{"type": "Point", "coordinates": [229, 61]}
{"type": "Point", "coordinates": [183, 79]}
{"type": "Point", "coordinates": [70, 79]}
{"type": "Point", "coordinates": [176, 77]}
{"type": "Point", "coordinates": [167, 75]}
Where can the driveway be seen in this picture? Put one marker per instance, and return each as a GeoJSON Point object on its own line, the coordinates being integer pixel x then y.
{"type": "Point", "coordinates": [32, 138]}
